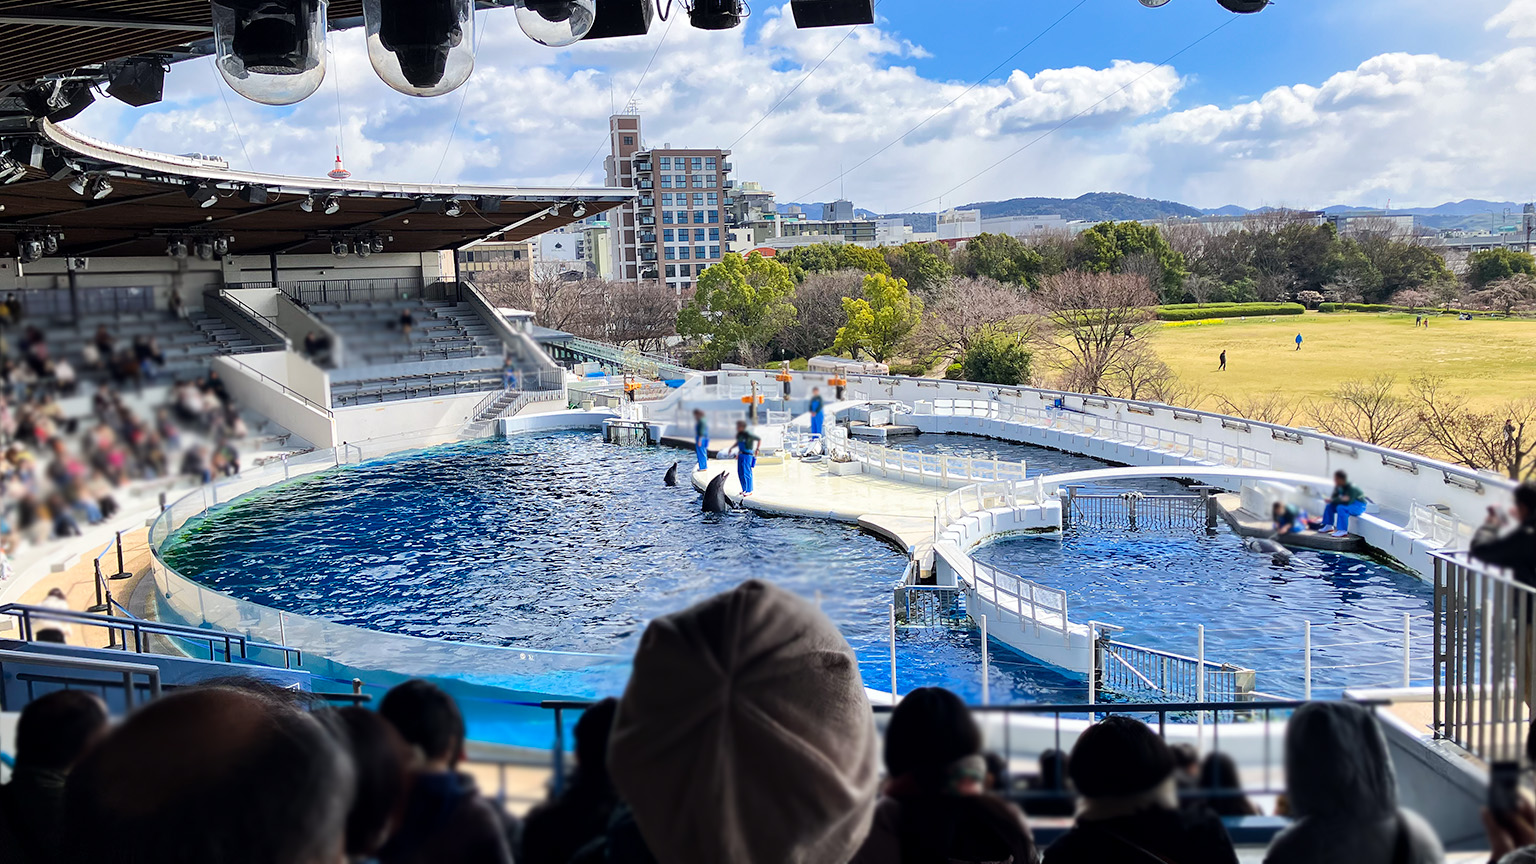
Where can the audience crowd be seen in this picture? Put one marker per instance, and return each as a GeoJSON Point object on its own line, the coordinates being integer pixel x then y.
{"type": "Point", "coordinates": [743, 736]}
{"type": "Point", "coordinates": [59, 470]}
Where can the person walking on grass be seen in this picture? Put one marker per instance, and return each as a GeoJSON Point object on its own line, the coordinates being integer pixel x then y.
{"type": "Point", "coordinates": [1298, 341]}
{"type": "Point", "coordinates": [1223, 366]}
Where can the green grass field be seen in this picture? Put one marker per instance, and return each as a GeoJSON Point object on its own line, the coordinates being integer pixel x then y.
{"type": "Point", "coordinates": [1489, 360]}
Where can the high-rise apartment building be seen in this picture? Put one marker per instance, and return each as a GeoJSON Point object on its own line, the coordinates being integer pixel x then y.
{"type": "Point", "coordinates": [678, 225]}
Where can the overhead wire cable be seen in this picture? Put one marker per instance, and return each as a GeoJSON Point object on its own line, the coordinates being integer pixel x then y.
{"type": "Point", "coordinates": [218, 82]}
{"type": "Point", "coordinates": [480, 29]}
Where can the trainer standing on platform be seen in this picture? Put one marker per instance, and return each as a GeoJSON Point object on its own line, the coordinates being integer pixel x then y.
{"type": "Point", "coordinates": [816, 408]}
{"type": "Point", "coordinates": [746, 455]}
{"type": "Point", "coordinates": [700, 438]}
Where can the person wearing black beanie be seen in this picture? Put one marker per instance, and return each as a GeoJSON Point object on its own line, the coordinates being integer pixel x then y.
{"type": "Point", "coordinates": [1130, 811]}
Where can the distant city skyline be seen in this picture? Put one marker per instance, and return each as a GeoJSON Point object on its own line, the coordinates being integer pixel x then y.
{"type": "Point", "coordinates": [1416, 102]}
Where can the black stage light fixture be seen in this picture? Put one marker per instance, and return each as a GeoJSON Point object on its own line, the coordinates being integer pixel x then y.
{"type": "Point", "coordinates": [204, 249]}
{"type": "Point", "coordinates": [29, 249]}
{"type": "Point", "coordinates": [98, 188]}
{"type": "Point", "coordinates": [1243, 7]}
{"type": "Point", "coordinates": [377, 243]}
{"type": "Point", "coordinates": [253, 194]}
{"type": "Point", "coordinates": [621, 18]}
{"type": "Point", "coordinates": [421, 47]}
{"type": "Point", "coordinates": [221, 246]}
{"type": "Point", "coordinates": [332, 204]}
{"type": "Point", "coordinates": [176, 248]}
{"type": "Point", "coordinates": [57, 167]}
{"type": "Point", "coordinates": [715, 14]}
{"type": "Point", "coordinates": [205, 194]}
{"type": "Point", "coordinates": [138, 82]}
{"type": "Point", "coordinates": [339, 248]}
{"type": "Point", "coordinates": [307, 204]}
{"type": "Point", "coordinates": [453, 209]}
{"type": "Point", "coordinates": [59, 101]}
{"type": "Point", "coordinates": [832, 13]}
{"type": "Point", "coordinates": [270, 51]}
{"type": "Point", "coordinates": [51, 242]}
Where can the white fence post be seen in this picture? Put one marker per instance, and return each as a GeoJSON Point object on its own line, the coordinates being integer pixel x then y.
{"type": "Point", "coordinates": [1306, 662]}
{"type": "Point", "coordinates": [986, 687]}
{"type": "Point", "coordinates": [1200, 688]}
{"type": "Point", "coordinates": [893, 653]}
{"type": "Point", "coordinates": [1407, 672]}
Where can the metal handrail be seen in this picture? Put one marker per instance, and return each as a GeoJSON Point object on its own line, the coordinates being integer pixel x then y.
{"type": "Point", "coordinates": [80, 664]}
{"type": "Point", "coordinates": [287, 391]}
{"type": "Point", "coordinates": [141, 628]}
{"type": "Point", "coordinates": [245, 309]}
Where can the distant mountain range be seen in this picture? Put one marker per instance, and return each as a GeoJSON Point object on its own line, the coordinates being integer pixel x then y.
{"type": "Point", "coordinates": [1468, 214]}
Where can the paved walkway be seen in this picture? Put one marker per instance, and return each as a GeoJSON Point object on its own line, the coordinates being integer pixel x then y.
{"type": "Point", "coordinates": [78, 582]}
{"type": "Point", "coordinates": [900, 512]}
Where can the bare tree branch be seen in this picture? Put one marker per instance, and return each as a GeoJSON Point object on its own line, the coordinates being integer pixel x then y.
{"type": "Point", "coordinates": [1370, 411]}
{"type": "Point", "coordinates": [1095, 318]}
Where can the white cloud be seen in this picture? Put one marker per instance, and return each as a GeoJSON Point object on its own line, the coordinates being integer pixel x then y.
{"type": "Point", "coordinates": [1415, 128]}
{"type": "Point", "coordinates": [1518, 18]}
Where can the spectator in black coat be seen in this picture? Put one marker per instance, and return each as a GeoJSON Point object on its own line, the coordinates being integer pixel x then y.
{"type": "Point", "coordinates": [1516, 549]}
{"type": "Point", "coordinates": [446, 820]}
{"type": "Point", "coordinates": [554, 831]}
{"type": "Point", "coordinates": [1130, 810]}
{"type": "Point", "coordinates": [54, 733]}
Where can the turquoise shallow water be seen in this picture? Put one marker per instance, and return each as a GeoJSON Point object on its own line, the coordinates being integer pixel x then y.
{"type": "Point", "coordinates": [557, 541]}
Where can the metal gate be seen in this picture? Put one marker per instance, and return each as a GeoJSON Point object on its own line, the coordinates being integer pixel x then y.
{"type": "Point", "coordinates": [1138, 511]}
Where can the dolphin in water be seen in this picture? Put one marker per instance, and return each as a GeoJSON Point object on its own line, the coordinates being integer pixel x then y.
{"type": "Point", "coordinates": [715, 499]}
{"type": "Point", "coordinates": [1267, 546]}
{"type": "Point", "coordinates": [671, 478]}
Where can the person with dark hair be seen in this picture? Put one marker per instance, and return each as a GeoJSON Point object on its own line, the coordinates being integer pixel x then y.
{"type": "Point", "coordinates": [446, 820]}
{"type": "Point", "coordinates": [1222, 788]}
{"type": "Point", "coordinates": [233, 772]}
{"type": "Point", "coordinates": [1051, 793]}
{"type": "Point", "coordinates": [1342, 793]}
{"type": "Point", "coordinates": [934, 809]}
{"type": "Point", "coordinates": [54, 733]}
{"type": "Point", "coordinates": [554, 831]}
{"type": "Point", "coordinates": [1517, 548]}
{"type": "Point", "coordinates": [1130, 811]}
{"type": "Point", "coordinates": [382, 761]}
{"type": "Point", "coordinates": [1347, 500]}
{"type": "Point", "coordinates": [744, 736]}
{"type": "Point", "coordinates": [1186, 774]}
{"type": "Point", "coordinates": [998, 778]}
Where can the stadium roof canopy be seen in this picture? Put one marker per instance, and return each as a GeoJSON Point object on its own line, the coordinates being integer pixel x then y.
{"type": "Point", "coordinates": [86, 197]}
{"type": "Point", "coordinates": [155, 199]}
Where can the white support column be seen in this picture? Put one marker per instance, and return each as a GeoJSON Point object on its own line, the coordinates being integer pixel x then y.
{"type": "Point", "coordinates": [1407, 668]}
{"type": "Point", "coordinates": [986, 685]}
{"type": "Point", "coordinates": [893, 653]}
{"type": "Point", "coordinates": [1306, 662]}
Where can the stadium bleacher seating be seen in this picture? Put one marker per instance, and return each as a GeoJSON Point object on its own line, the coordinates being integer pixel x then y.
{"type": "Point", "coordinates": [442, 330]}
{"type": "Point", "coordinates": [188, 344]}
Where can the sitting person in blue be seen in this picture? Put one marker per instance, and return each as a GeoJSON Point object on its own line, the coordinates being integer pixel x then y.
{"type": "Point", "coordinates": [746, 455]}
{"type": "Point", "coordinates": [1347, 500]}
{"type": "Point", "coordinates": [700, 439]}
{"type": "Point", "coordinates": [816, 416]}
{"type": "Point", "coordinates": [1289, 520]}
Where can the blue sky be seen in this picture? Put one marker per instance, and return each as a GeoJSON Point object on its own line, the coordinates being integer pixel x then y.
{"type": "Point", "coordinates": [1306, 104]}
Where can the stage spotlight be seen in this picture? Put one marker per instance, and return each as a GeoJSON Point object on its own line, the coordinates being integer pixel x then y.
{"type": "Point", "coordinates": [58, 101]}
{"type": "Point", "coordinates": [11, 170]}
{"type": "Point", "coordinates": [205, 194]}
{"type": "Point", "coordinates": [361, 247]}
{"type": "Point", "coordinates": [332, 204]}
{"type": "Point", "coordinates": [176, 248]}
{"type": "Point", "coordinates": [715, 14]}
{"type": "Point", "coordinates": [834, 13]}
{"type": "Point", "coordinates": [308, 204]}
{"type": "Point", "coordinates": [221, 246]}
{"type": "Point", "coordinates": [1243, 7]}
{"type": "Point", "coordinates": [78, 184]}
{"type": "Point", "coordinates": [621, 18]}
{"type": "Point", "coordinates": [98, 188]}
{"type": "Point", "coordinates": [204, 249]}
{"type": "Point", "coordinates": [339, 248]}
{"type": "Point", "coordinates": [270, 51]}
{"type": "Point", "coordinates": [51, 242]}
{"type": "Point", "coordinates": [452, 209]}
{"type": "Point", "coordinates": [29, 249]}
{"type": "Point", "coordinates": [377, 243]}
{"type": "Point", "coordinates": [556, 23]}
{"type": "Point", "coordinates": [580, 210]}
{"type": "Point", "coordinates": [421, 47]}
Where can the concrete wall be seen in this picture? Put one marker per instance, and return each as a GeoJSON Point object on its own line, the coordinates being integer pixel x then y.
{"type": "Point", "coordinates": [395, 418]}
{"type": "Point", "coordinates": [309, 421]}
{"type": "Point", "coordinates": [308, 268]}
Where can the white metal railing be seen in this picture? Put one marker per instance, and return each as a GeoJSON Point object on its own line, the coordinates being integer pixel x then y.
{"type": "Point", "coordinates": [911, 466]}
{"type": "Point", "coordinates": [1134, 433]}
{"type": "Point", "coordinates": [966, 500]}
{"type": "Point", "coordinates": [1438, 525]}
{"type": "Point", "coordinates": [1485, 662]}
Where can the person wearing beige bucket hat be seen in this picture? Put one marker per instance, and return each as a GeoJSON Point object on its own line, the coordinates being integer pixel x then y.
{"type": "Point", "coordinates": [745, 735]}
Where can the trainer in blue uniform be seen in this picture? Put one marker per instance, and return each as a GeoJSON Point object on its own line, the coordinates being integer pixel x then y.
{"type": "Point", "coordinates": [816, 406]}
{"type": "Point", "coordinates": [700, 439]}
{"type": "Point", "coordinates": [746, 455]}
